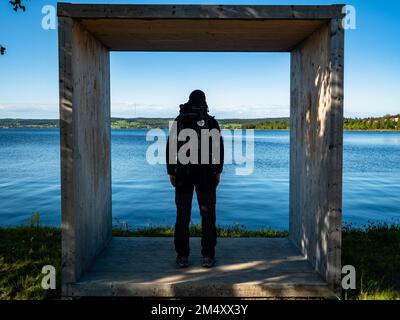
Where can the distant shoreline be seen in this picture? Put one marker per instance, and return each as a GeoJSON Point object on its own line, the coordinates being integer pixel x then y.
{"type": "Point", "coordinates": [122, 129]}
{"type": "Point", "coordinates": [387, 123]}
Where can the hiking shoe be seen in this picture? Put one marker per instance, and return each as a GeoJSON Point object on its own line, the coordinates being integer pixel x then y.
{"type": "Point", "coordinates": [208, 262]}
{"type": "Point", "coordinates": [182, 262]}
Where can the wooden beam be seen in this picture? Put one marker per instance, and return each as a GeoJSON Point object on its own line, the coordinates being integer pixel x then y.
{"type": "Point", "coordinates": [258, 12]}
{"type": "Point", "coordinates": [200, 35]}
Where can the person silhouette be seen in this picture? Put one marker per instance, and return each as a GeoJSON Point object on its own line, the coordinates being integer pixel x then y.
{"type": "Point", "coordinates": [201, 174]}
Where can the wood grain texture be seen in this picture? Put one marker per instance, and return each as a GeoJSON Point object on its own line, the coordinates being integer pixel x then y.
{"type": "Point", "coordinates": [85, 147]}
{"type": "Point", "coordinates": [200, 35]}
{"type": "Point", "coordinates": [316, 149]}
{"type": "Point", "coordinates": [240, 28]}
{"type": "Point", "coordinates": [66, 147]}
{"type": "Point", "coordinates": [335, 174]}
{"type": "Point", "coordinates": [140, 11]}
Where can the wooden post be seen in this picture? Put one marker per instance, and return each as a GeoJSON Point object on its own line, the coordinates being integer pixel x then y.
{"type": "Point", "coordinates": [316, 149]}
{"type": "Point", "coordinates": [85, 147]}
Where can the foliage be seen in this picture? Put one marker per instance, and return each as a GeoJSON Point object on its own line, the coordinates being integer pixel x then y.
{"type": "Point", "coordinates": [34, 220]}
{"type": "Point", "coordinates": [16, 5]}
{"type": "Point", "coordinates": [234, 231]}
{"type": "Point", "coordinates": [269, 125]}
{"type": "Point", "coordinates": [374, 251]}
{"type": "Point", "coordinates": [387, 122]}
{"type": "Point", "coordinates": [23, 253]}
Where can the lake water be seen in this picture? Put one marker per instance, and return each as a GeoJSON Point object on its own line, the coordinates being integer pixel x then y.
{"type": "Point", "coordinates": [142, 195]}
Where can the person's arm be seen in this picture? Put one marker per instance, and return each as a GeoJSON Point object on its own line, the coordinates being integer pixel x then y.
{"type": "Point", "coordinates": [171, 164]}
{"type": "Point", "coordinates": [218, 166]}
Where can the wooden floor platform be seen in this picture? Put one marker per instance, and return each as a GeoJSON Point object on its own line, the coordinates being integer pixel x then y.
{"type": "Point", "coordinates": [246, 267]}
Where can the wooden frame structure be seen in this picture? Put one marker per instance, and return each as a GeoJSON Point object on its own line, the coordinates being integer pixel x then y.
{"type": "Point", "coordinates": [312, 34]}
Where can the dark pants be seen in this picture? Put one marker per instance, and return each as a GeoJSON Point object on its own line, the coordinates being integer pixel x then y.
{"type": "Point", "coordinates": [205, 186]}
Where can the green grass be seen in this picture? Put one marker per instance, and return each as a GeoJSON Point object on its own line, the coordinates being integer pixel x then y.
{"type": "Point", "coordinates": [374, 251]}
{"type": "Point", "coordinates": [234, 231]}
{"type": "Point", "coordinates": [23, 253]}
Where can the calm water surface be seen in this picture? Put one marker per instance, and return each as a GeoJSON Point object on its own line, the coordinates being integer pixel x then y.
{"type": "Point", "coordinates": [142, 195]}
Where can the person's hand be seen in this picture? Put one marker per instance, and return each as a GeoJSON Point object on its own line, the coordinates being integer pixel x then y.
{"type": "Point", "coordinates": [217, 178]}
{"type": "Point", "coordinates": [172, 179]}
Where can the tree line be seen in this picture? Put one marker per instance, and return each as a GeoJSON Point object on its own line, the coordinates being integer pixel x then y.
{"type": "Point", "coordinates": [387, 122]}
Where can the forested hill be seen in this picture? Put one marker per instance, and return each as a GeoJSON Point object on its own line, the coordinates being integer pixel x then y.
{"type": "Point", "coordinates": [388, 122]}
{"type": "Point", "coordinates": [136, 123]}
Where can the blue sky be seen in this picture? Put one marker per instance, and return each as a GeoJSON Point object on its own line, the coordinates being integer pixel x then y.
{"type": "Point", "coordinates": [237, 84]}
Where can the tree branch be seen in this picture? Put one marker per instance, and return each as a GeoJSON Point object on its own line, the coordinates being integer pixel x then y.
{"type": "Point", "coordinates": [17, 5]}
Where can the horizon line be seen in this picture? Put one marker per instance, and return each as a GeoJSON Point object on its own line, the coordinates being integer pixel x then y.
{"type": "Point", "coordinates": [232, 118]}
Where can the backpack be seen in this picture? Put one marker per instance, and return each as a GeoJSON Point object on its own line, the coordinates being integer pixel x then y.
{"type": "Point", "coordinates": [195, 118]}
{"type": "Point", "coordinates": [192, 117]}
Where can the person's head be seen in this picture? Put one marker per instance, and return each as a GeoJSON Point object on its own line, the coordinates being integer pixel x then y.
{"type": "Point", "coordinates": [197, 98]}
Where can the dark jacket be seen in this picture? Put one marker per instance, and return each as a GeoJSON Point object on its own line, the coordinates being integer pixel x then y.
{"type": "Point", "coordinates": [217, 168]}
